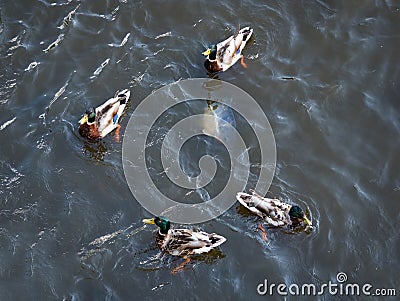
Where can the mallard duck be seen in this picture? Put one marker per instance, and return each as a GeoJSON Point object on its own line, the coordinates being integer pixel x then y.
{"type": "Point", "coordinates": [273, 211]}
{"type": "Point", "coordinates": [225, 54]}
{"type": "Point", "coordinates": [183, 242]}
{"type": "Point", "coordinates": [98, 122]}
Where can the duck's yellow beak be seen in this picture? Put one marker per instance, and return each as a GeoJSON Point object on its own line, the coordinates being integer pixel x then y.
{"type": "Point", "coordinates": [149, 221]}
{"type": "Point", "coordinates": [84, 119]}
{"type": "Point", "coordinates": [307, 221]}
{"type": "Point", "coordinates": [207, 52]}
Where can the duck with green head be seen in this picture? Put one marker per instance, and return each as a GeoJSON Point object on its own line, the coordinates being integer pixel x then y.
{"type": "Point", "coordinates": [183, 242]}
{"type": "Point", "coordinates": [98, 122]}
{"type": "Point", "coordinates": [222, 56]}
{"type": "Point", "coordinates": [273, 211]}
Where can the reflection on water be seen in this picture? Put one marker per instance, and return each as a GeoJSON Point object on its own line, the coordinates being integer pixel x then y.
{"type": "Point", "coordinates": [325, 73]}
{"type": "Point", "coordinates": [96, 151]}
{"type": "Point", "coordinates": [218, 128]}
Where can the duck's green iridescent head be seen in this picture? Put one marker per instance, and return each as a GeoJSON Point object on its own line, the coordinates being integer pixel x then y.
{"type": "Point", "coordinates": [297, 212]}
{"type": "Point", "coordinates": [161, 222]}
{"type": "Point", "coordinates": [91, 112]}
{"type": "Point", "coordinates": [90, 116]}
{"type": "Point", "coordinates": [211, 52]}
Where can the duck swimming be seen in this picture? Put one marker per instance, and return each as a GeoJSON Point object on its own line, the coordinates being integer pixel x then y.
{"type": "Point", "coordinates": [99, 122]}
{"type": "Point", "coordinates": [183, 242]}
{"type": "Point", "coordinates": [273, 211]}
{"type": "Point", "coordinates": [222, 56]}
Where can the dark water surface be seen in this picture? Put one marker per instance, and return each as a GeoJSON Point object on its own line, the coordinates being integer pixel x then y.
{"type": "Point", "coordinates": [326, 74]}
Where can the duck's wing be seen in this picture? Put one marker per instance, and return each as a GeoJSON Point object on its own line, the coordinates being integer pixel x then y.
{"type": "Point", "coordinates": [185, 241]}
{"type": "Point", "coordinates": [230, 50]}
{"type": "Point", "coordinates": [245, 35]}
{"type": "Point", "coordinates": [106, 122]}
{"type": "Point", "coordinates": [123, 97]}
{"type": "Point", "coordinates": [111, 112]}
{"type": "Point", "coordinates": [105, 107]}
{"type": "Point", "coordinates": [273, 211]}
{"type": "Point", "coordinates": [226, 51]}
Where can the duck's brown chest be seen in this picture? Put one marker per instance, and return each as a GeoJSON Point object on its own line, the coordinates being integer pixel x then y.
{"type": "Point", "coordinates": [89, 131]}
